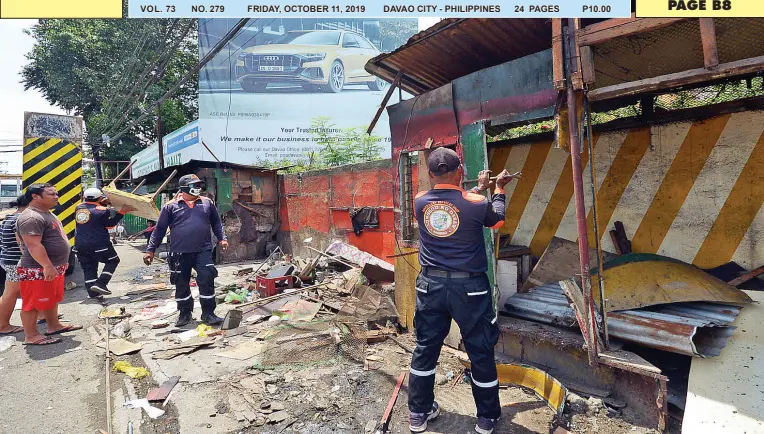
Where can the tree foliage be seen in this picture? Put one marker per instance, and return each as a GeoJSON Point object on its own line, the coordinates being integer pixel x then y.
{"type": "Point", "coordinates": [395, 33]}
{"type": "Point", "coordinates": [110, 71]}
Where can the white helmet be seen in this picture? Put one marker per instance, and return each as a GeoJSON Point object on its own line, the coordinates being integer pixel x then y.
{"type": "Point", "coordinates": [93, 194]}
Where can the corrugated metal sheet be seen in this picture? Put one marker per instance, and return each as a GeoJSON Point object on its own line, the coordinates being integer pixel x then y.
{"type": "Point", "coordinates": [454, 48]}
{"type": "Point", "coordinates": [694, 329]}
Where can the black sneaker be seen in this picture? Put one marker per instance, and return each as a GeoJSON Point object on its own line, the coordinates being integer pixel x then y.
{"type": "Point", "coordinates": [183, 319]}
{"type": "Point", "coordinates": [211, 319]}
{"type": "Point", "coordinates": [485, 425]}
{"type": "Point", "coordinates": [418, 421]}
{"type": "Point", "coordinates": [99, 290]}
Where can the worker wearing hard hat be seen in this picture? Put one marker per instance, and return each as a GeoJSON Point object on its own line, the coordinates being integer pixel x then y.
{"type": "Point", "coordinates": [190, 217]}
{"type": "Point", "coordinates": [93, 243]}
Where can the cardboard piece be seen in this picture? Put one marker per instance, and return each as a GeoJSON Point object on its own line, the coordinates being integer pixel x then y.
{"type": "Point", "coordinates": [244, 351]}
{"type": "Point", "coordinates": [121, 347]}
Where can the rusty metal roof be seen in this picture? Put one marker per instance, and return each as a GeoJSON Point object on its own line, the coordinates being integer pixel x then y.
{"type": "Point", "coordinates": [456, 47]}
{"type": "Point", "coordinates": [695, 329]}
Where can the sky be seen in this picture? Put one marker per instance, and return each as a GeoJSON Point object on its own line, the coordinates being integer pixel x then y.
{"type": "Point", "coordinates": [14, 101]}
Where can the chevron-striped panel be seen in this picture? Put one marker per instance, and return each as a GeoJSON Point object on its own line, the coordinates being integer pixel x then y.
{"type": "Point", "coordinates": [692, 191]}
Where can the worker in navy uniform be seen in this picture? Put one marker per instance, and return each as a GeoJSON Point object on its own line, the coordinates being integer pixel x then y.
{"type": "Point", "coordinates": [93, 243]}
{"type": "Point", "coordinates": [453, 285]}
{"type": "Point", "coordinates": [190, 216]}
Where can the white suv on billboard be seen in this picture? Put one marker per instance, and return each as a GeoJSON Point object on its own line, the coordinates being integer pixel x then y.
{"type": "Point", "coordinates": [324, 60]}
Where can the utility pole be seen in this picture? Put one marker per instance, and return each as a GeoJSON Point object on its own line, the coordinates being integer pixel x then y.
{"type": "Point", "coordinates": [97, 161]}
{"type": "Point", "coordinates": [160, 147]}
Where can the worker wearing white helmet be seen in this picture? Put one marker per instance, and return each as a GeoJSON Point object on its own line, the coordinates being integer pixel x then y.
{"type": "Point", "coordinates": [92, 241]}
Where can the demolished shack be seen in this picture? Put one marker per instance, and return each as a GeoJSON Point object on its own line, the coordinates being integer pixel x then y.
{"type": "Point", "coordinates": [633, 135]}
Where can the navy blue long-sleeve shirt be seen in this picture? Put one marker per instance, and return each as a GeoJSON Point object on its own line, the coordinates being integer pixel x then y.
{"type": "Point", "coordinates": [190, 226]}
{"type": "Point", "coordinates": [93, 223]}
{"type": "Point", "coordinates": [451, 223]}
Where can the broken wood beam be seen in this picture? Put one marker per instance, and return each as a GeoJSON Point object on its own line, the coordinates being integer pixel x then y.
{"type": "Point", "coordinates": [752, 65]}
{"type": "Point", "coordinates": [708, 38]}
{"type": "Point", "coordinates": [396, 83]}
{"type": "Point", "coordinates": [747, 276]}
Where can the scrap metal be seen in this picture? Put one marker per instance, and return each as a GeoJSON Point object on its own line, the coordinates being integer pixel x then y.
{"type": "Point", "coordinates": [695, 329]}
{"type": "Point", "coordinates": [546, 387]}
{"type": "Point", "coordinates": [640, 280]}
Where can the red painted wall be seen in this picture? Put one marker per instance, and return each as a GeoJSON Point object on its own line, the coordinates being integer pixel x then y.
{"type": "Point", "coordinates": [317, 204]}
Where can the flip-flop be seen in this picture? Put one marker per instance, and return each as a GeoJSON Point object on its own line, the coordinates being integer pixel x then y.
{"type": "Point", "coordinates": [42, 321]}
{"type": "Point", "coordinates": [14, 330]}
{"type": "Point", "coordinates": [44, 341]}
{"type": "Point", "coordinates": [69, 328]}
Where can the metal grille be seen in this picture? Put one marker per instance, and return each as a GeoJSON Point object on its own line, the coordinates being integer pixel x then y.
{"type": "Point", "coordinates": [739, 38]}
{"type": "Point", "coordinates": [253, 62]}
{"type": "Point", "coordinates": [307, 344]}
{"type": "Point", "coordinates": [662, 51]}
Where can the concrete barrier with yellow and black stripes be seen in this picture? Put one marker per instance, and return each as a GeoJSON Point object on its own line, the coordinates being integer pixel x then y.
{"type": "Point", "coordinates": [58, 162]}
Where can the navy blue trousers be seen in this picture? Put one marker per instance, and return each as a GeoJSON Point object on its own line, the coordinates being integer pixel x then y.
{"type": "Point", "coordinates": [468, 302]}
{"type": "Point", "coordinates": [181, 265]}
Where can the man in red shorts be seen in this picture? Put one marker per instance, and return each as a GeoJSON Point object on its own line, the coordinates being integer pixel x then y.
{"type": "Point", "coordinates": [44, 259]}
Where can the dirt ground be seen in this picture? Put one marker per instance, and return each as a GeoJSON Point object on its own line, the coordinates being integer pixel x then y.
{"type": "Point", "coordinates": [64, 386]}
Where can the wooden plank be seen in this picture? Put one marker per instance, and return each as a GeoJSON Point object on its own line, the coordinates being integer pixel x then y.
{"type": "Point", "coordinates": [611, 29]}
{"type": "Point", "coordinates": [686, 78]}
{"type": "Point", "coordinates": [161, 393]}
{"type": "Point", "coordinates": [558, 55]}
{"type": "Point", "coordinates": [747, 276]}
{"type": "Point", "coordinates": [708, 37]}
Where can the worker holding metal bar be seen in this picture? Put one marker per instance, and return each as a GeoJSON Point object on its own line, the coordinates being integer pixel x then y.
{"type": "Point", "coordinates": [190, 216]}
{"type": "Point", "coordinates": [93, 242]}
{"type": "Point", "coordinates": [453, 285]}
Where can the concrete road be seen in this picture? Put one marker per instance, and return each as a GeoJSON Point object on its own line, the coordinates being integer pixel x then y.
{"type": "Point", "coordinates": [57, 388]}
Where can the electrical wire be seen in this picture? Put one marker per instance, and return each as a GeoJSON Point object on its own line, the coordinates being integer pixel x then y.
{"type": "Point", "coordinates": [159, 65]}
{"type": "Point", "coordinates": [207, 58]}
{"type": "Point", "coordinates": [152, 66]}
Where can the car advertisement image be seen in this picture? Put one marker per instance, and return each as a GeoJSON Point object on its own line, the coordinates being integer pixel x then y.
{"type": "Point", "coordinates": [284, 89]}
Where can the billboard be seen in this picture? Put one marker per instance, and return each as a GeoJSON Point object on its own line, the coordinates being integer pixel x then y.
{"type": "Point", "coordinates": [284, 89]}
{"type": "Point", "coordinates": [180, 147]}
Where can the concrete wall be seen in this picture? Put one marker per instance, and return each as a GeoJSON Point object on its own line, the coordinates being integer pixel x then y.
{"type": "Point", "coordinates": [317, 204]}
{"type": "Point", "coordinates": [692, 191]}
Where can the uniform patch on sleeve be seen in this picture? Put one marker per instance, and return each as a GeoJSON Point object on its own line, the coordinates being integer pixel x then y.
{"type": "Point", "coordinates": [441, 219]}
{"type": "Point", "coordinates": [82, 216]}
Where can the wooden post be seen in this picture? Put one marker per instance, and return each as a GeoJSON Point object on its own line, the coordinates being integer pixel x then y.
{"type": "Point", "coordinates": [587, 65]}
{"type": "Point", "coordinates": [164, 184]}
{"type": "Point", "coordinates": [138, 186]}
{"type": "Point", "coordinates": [558, 55]}
{"type": "Point", "coordinates": [121, 174]}
{"type": "Point", "coordinates": [708, 37]}
{"type": "Point", "coordinates": [382, 106]}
